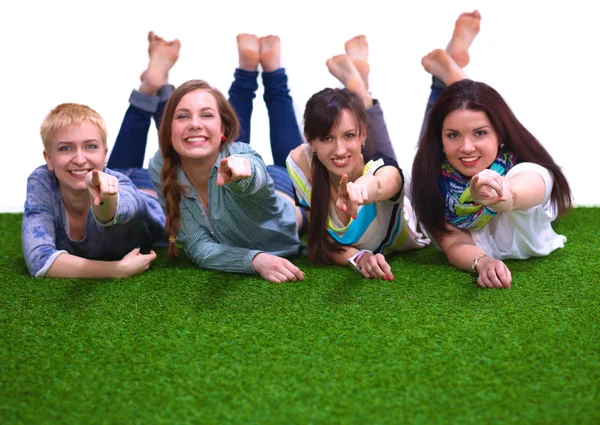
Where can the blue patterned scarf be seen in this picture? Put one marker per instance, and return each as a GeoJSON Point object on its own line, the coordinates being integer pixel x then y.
{"type": "Point", "coordinates": [461, 211]}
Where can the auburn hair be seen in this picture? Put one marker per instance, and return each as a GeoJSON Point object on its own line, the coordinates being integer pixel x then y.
{"type": "Point", "coordinates": [172, 190]}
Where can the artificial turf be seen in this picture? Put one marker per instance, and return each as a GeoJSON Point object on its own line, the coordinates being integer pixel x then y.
{"type": "Point", "coordinates": [179, 345]}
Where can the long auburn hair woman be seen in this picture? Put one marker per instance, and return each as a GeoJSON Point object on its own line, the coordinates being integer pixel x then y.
{"type": "Point", "coordinates": [219, 200]}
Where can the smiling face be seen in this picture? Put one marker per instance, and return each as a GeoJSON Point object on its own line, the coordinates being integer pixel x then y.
{"type": "Point", "coordinates": [470, 141]}
{"type": "Point", "coordinates": [340, 151]}
{"type": "Point", "coordinates": [74, 151]}
{"type": "Point", "coordinates": [196, 129]}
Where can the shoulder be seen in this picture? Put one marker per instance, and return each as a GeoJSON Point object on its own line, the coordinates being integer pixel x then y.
{"type": "Point", "coordinates": [156, 162]}
{"type": "Point", "coordinates": [243, 150]}
{"type": "Point", "coordinates": [535, 168]}
{"type": "Point", "coordinates": [299, 159]}
{"type": "Point", "coordinates": [530, 166]}
{"type": "Point", "coordinates": [42, 179]}
{"type": "Point", "coordinates": [238, 148]}
{"type": "Point", "coordinates": [43, 192]}
{"type": "Point", "coordinates": [42, 173]}
{"type": "Point", "coordinates": [255, 160]}
{"type": "Point", "coordinates": [374, 164]}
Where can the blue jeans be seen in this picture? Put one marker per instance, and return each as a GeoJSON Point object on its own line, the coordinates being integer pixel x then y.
{"type": "Point", "coordinates": [437, 87]}
{"type": "Point", "coordinates": [127, 154]}
{"type": "Point", "coordinates": [283, 127]}
{"type": "Point", "coordinates": [130, 145]}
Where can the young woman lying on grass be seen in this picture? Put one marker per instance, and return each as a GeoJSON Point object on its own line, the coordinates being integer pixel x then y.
{"type": "Point", "coordinates": [82, 219]}
{"type": "Point", "coordinates": [351, 183]}
{"type": "Point", "coordinates": [484, 188]}
{"type": "Point", "coordinates": [229, 210]}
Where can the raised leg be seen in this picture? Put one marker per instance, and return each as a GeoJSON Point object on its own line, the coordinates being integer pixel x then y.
{"type": "Point", "coordinates": [283, 126]}
{"type": "Point", "coordinates": [243, 88]}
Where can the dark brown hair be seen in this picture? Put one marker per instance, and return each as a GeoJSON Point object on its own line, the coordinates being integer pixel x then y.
{"type": "Point", "coordinates": [321, 116]}
{"type": "Point", "coordinates": [171, 188]}
{"type": "Point", "coordinates": [427, 197]}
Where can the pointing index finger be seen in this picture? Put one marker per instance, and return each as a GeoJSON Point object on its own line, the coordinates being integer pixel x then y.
{"type": "Point", "coordinates": [224, 163]}
{"type": "Point", "coordinates": [96, 178]}
{"type": "Point", "coordinates": [343, 188]}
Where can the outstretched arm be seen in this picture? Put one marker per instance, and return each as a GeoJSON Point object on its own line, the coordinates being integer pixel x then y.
{"type": "Point", "coordinates": [71, 266]}
{"type": "Point", "coordinates": [243, 172]}
{"type": "Point", "coordinates": [523, 190]}
{"type": "Point", "coordinates": [384, 184]}
{"type": "Point", "coordinates": [233, 169]}
{"type": "Point", "coordinates": [103, 189]}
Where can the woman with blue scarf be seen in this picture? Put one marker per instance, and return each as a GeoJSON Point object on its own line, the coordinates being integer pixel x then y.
{"type": "Point", "coordinates": [483, 187]}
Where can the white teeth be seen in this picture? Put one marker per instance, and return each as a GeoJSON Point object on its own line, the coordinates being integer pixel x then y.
{"type": "Point", "coordinates": [79, 173]}
{"type": "Point", "coordinates": [468, 159]}
{"type": "Point", "coordinates": [340, 161]}
{"type": "Point", "coordinates": [196, 139]}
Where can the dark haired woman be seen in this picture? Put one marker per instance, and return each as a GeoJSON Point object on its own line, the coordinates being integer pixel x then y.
{"type": "Point", "coordinates": [484, 188]}
{"type": "Point", "coordinates": [346, 175]}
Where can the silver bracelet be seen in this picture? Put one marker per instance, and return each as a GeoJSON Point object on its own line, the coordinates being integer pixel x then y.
{"type": "Point", "coordinates": [476, 261]}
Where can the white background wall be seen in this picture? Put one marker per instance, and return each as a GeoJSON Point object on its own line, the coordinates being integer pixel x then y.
{"type": "Point", "coordinates": [540, 56]}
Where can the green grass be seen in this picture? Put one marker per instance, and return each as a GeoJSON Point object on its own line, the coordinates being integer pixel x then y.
{"type": "Point", "coordinates": [181, 345]}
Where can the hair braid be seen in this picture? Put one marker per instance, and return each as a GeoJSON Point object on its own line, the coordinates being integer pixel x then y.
{"type": "Point", "coordinates": [172, 194]}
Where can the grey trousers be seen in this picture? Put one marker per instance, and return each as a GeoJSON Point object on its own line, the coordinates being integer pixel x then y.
{"type": "Point", "coordinates": [377, 133]}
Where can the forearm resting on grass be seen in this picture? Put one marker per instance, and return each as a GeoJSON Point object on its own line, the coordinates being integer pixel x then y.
{"type": "Point", "coordinates": [370, 265]}
{"type": "Point", "coordinates": [276, 269]}
{"type": "Point", "coordinates": [71, 266]}
{"type": "Point", "coordinates": [461, 251]}
{"type": "Point", "coordinates": [341, 258]}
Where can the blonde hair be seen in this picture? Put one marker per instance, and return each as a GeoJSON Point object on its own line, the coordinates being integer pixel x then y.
{"type": "Point", "coordinates": [66, 114]}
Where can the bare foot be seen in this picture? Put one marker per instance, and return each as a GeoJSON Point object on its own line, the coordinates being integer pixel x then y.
{"type": "Point", "coordinates": [248, 48]}
{"type": "Point", "coordinates": [342, 68]}
{"type": "Point", "coordinates": [466, 29]}
{"type": "Point", "coordinates": [163, 55]}
{"type": "Point", "coordinates": [270, 53]}
{"type": "Point", "coordinates": [441, 65]}
{"type": "Point", "coordinates": [358, 50]}
{"type": "Point", "coordinates": [153, 41]}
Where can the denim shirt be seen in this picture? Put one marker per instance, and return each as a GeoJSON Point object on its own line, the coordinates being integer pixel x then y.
{"type": "Point", "coordinates": [138, 221]}
{"type": "Point", "coordinates": [244, 218]}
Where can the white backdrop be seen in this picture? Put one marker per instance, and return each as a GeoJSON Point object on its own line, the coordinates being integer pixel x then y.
{"type": "Point", "coordinates": [540, 56]}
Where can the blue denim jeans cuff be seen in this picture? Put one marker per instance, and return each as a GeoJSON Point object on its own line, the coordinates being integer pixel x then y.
{"type": "Point", "coordinates": [246, 79]}
{"type": "Point", "coordinates": [144, 101]}
{"type": "Point", "coordinates": [274, 79]}
{"type": "Point", "coordinates": [165, 92]}
{"type": "Point", "coordinates": [436, 83]}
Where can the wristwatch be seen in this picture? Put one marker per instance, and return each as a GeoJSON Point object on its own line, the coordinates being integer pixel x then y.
{"type": "Point", "coordinates": [476, 261]}
{"type": "Point", "coordinates": [353, 261]}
